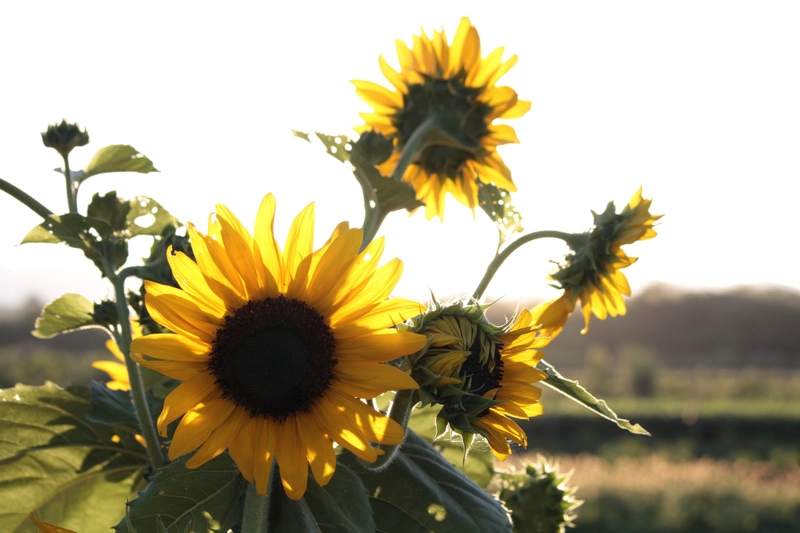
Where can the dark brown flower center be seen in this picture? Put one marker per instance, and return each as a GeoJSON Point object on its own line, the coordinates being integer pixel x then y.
{"type": "Point", "coordinates": [482, 376]}
{"type": "Point", "coordinates": [458, 113]}
{"type": "Point", "coordinates": [274, 357]}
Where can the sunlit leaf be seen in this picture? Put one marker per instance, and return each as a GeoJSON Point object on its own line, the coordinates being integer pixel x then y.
{"type": "Point", "coordinates": [66, 313]}
{"type": "Point", "coordinates": [56, 464]}
{"type": "Point", "coordinates": [496, 203]}
{"type": "Point", "coordinates": [144, 209]}
{"type": "Point", "coordinates": [573, 390]}
{"type": "Point", "coordinates": [420, 491]}
{"type": "Point", "coordinates": [117, 158]}
{"type": "Point", "coordinates": [210, 496]}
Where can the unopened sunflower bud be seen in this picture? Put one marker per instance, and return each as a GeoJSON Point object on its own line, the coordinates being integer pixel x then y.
{"type": "Point", "coordinates": [374, 147]}
{"type": "Point", "coordinates": [64, 137]}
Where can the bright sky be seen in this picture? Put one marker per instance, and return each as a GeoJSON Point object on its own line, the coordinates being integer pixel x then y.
{"type": "Point", "coordinates": [696, 101]}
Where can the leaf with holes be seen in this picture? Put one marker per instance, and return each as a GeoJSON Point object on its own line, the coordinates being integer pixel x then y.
{"type": "Point", "coordinates": [142, 209]}
{"type": "Point", "coordinates": [496, 203]}
{"type": "Point", "coordinates": [117, 158]}
{"type": "Point", "coordinates": [210, 496]}
{"type": "Point", "coordinates": [574, 391]}
{"type": "Point", "coordinates": [421, 491]}
{"type": "Point", "coordinates": [64, 314]}
{"type": "Point", "coordinates": [56, 464]}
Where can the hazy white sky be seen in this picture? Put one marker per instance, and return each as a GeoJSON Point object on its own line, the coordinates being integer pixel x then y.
{"type": "Point", "coordinates": [697, 101]}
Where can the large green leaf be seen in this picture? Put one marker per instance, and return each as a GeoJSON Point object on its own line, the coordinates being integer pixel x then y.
{"type": "Point", "coordinates": [117, 158]}
{"type": "Point", "coordinates": [210, 497]}
{"type": "Point", "coordinates": [66, 313]}
{"type": "Point", "coordinates": [573, 390]}
{"type": "Point", "coordinates": [53, 462]}
{"type": "Point", "coordinates": [92, 236]}
{"type": "Point", "coordinates": [421, 491]}
{"type": "Point", "coordinates": [340, 506]}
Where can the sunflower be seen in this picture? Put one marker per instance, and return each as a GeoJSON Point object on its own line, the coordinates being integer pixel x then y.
{"type": "Point", "coordinates": [452, 87]}
{"type": "Point", "coordinates": [592, 273]}
{"type": "Point", "coordinates": [482, 375]}
{"type": "Point", "coordinates": [45, 527]}
{"type": "Point", "coordinates": [275, 348]}
{"type": "Point", "coordinates": [117, 371]}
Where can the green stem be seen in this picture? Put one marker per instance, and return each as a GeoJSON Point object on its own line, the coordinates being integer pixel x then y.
{"type": "Point", "coordinates": [25, 199]}
{"type": "Point", "coordinates": [72, 200]}
{"type": "Point", "coordinates": [254, 519]}
{"type": "Point", "coordinates": [414, 146]}
{"type": "Point", "coordinates": [146, 422]}
{"type": "Point", "coordinates": [371, 225]}
{"type": "Point", "coordinates": [400, 411]}
{"type": "Point", "coordinates": [491, 270]}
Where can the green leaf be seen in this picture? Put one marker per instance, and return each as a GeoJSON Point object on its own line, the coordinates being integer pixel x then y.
{"type": "Point", "coordinates": [64, 314]}
{"type": "Point", "coordinates": [114, 408]}
{"type": "Point", "coordinates": [90, 235]}
{"type": "Point", "coordinates": [496, 203]}
{"type": "Point", "coordinates": [109, 208]}
{"type": "Point", "coordinates": [210, 496]}
{"type": "Point", "coordinates": [387, 194]}
{"type": "Point", "coordinates": [342, 504]}
{"type": "Point", "coordinates": [117, 158]}
{"type": "Point", "coordinates": [142, 206]}
{"type": "Point", "coordinates": [53, 462]}
{"type": "Point", "coordinates": [573, 390]}
{"type": "Point", "coordinates": [420, 491]}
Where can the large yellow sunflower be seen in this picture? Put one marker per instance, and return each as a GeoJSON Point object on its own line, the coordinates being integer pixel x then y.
{"type": "Point", "coordinates": [275, 348]}
{"type": "Point", "coordinates": [451, 85]}
{"type": "Point", "coordinates": [593, 273]}
{"type": "Point", "coordinates": [481, 374]}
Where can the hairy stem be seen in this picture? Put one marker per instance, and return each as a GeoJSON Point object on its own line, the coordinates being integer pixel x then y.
{"type": "Point", "coordinates": [400, 411]}
{"type": "Point", "coordinates": [500, 257]}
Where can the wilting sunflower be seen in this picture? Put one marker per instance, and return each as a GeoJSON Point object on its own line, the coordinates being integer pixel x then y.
{"type": "Point", "coordinates": [275, 348]}
{"type": "Point", "coordinates": [451, 87]}
{"type": "Point", "coordinates": [481, 374]}
{"type": "Point", "coordinates": [592, 273]}
{"type": "Point", "coordinates": [117, 371]}
{"type": "Point", "coordinates": [45, 527]}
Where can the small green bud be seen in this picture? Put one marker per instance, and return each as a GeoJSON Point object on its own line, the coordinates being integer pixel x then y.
{"type": "Point", "coordinates": [64, 137]}
{"type": "Point", "coordinates": [374, 147]}
{"type": "Point", "coordinates": [538, 499]}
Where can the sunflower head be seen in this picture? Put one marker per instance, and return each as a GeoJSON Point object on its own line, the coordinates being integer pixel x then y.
{"type": "Point", "coordinates": [479, 373]}
{"type": "Point", "coordinates": [444, 103]}
{"type": "Point", "coordinates": [276, 347]}
{"type": "Point", "coordinates": [592, 273]}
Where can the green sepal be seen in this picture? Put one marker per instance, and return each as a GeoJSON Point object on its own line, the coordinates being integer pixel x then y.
{"type": "Point", "coordinates": [116, 158]}
{"type": "Point", "coordinates": [210, 496]}
{"type": "Point", "coordinates": [420, 491]}
{"type": "Point", "coordinates": [496, 203]}
{"type": "Point", "coordinates": [55, 463]}
{"type": "Point", "coordinates": [573, 390]}
{"type": "Point", "coordinates": [66, 313]}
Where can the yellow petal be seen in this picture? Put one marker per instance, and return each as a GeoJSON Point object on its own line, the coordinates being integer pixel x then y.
{"type": "Point", "coordinates": [199, 389]}
{"type": "Point", "coordinates": [380, 346]}
{"type": "Point", "coordinates": [171, 347]}
{"type": "Point", "coordinates": [291, 458]}
{"type": "Point", "coordinates": [299, 242]}
{"type": "Point", "coordinates": [238, 246]}
{"type": "Point", "coordinates": [341, 428]}
{"type": "Point", "coordinates": [318, 447]}
{"type": "Point", "coordinates": [222, 437]}
{"type": "Point", "coordinates": [197, 424]}
{"type": "Point", "coordinates": [191, 279]}
{"type": "Point", "coordinates": [384, 315]}
{"type": "Point", "coordinates": [264, 450]}
{"type": "Point", "coordinates": [374, 425]}
{"type": "Point", "coordinates": [377, 375]}
{"type": "Point", "coordinates": [267, 246]}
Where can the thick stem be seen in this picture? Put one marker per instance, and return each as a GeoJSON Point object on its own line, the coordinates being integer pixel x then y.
{"type": "Point", "coordinates": [256, 507]}
{"type": "Point", "coordinates": [414, 146]}
{"type": "Point", "coordinates": [491, 270]}
{"type": "Point", "coordinates": [146, 423]}
{"type": "Point", "coordinates": [371, 226]}
{"type": "Point", "coordinates": [72, 200]}
{"type": "Point", "coordinates": [25, 199]}
{"type": "Point", "coordinates": [400, 411]}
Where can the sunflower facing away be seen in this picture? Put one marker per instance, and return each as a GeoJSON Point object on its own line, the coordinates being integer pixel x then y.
{"type": "Point", "coordinates": [452, 85]}
{"type": "Point", "coordinates": [480, 373]}
{"type": "Point", "coordinates": [592, 274]}
{"type": "Point", "coordinates": [275, 348]}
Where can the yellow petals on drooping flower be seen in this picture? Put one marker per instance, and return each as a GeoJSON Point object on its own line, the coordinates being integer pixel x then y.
{"type": "Point", "coordinates": [117, 371]}
{"type": "Point", "coordinates": [592, 272]}
{"type": "Point", "coordinates": [452, 85]}
{"type": "Point", "coordinates": [275, 348]}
